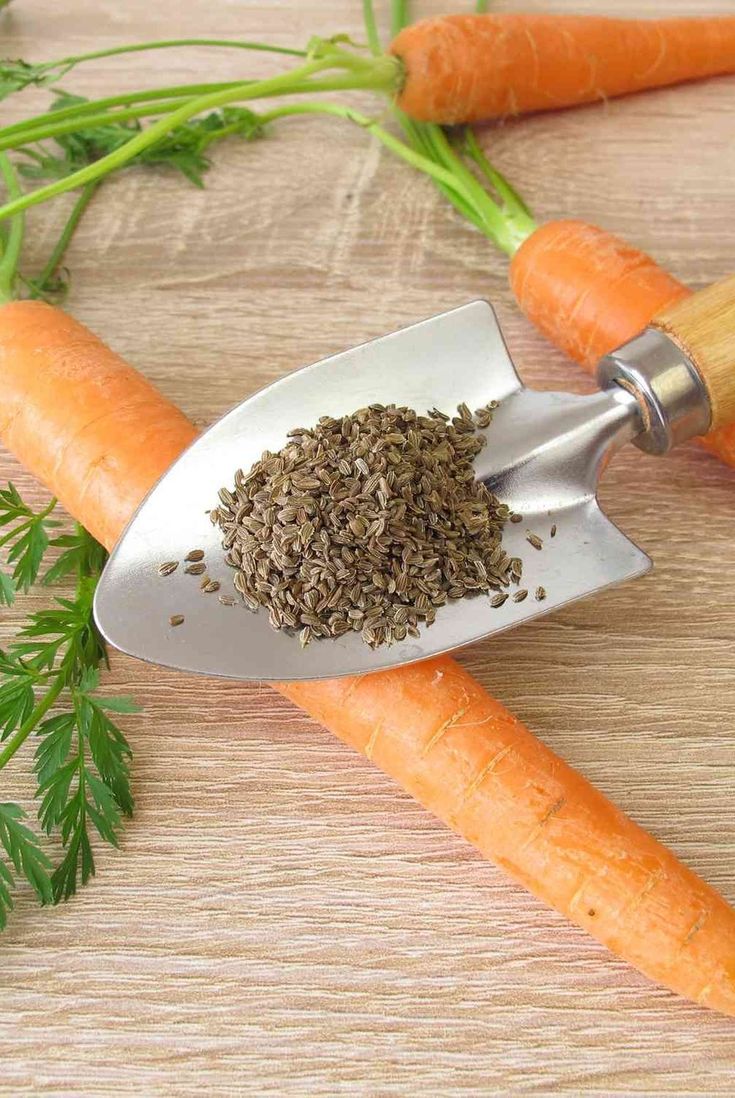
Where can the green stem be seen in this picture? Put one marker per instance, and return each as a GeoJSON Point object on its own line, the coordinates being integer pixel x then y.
{"type": "Point", "coordinates": [400, 16]}
{"type": "Point", "coordinates": [169, 43]}
{"type": "Point", "coordinates": [27, 128]}
{"type": "Point", "coordinates": [371, 27]}
{"type": "Point", "coordinates": [380, 75]}
{"type": "Point", "coordinates": [518, 217]}
{"type": "Point", "coordinates": [87, 122]}
{"type": "Point", "coordinates": [418, 136]}
{"type": "Point", "coordinates": [76, 123]}
{"type": "Point", "coordinates": [400, 148]}
{"type": "Point", "coordinates": [431, 153]}
{"type": "Point", "coordinates": [17, 740]}
{"type": "Point", "coordinates": [14, 240]}
{"type": "Point", "coordinates": [72, 125]}
{"type": "Point", "coordinates": [57, 255]}
{"type": "Point", "coordinates": [505, 226]}
{"type": "Point", "coordinates": [505, 190]}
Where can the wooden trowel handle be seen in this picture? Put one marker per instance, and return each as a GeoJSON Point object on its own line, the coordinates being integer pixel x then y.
{"type": "Point", "coordinates": [703, 326]}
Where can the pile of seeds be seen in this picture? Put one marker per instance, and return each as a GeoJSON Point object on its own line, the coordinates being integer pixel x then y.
{"type": "Point", "coordinates": [369, 523]}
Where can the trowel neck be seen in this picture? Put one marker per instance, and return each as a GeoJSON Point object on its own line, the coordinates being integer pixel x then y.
{"type": "Point", "coordinates": [672, 399]}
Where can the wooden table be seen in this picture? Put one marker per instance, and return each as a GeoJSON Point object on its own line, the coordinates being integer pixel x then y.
{"type": "Point", "coordinates": [281, 919]}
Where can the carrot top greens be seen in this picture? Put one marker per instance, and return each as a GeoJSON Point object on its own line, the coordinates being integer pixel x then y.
{"type": "Point", "coordinates": [82, 759]}
{"type": "Point", "coordinates": [179, 115]}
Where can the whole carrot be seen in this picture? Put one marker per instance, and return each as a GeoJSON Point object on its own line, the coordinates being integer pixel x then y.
{"type": "Point", "coordinates": [431, 726]}
{"type": "Point", "coordinates": [589, 292]}
{"type": "Point", "coordinates": [469, 68]}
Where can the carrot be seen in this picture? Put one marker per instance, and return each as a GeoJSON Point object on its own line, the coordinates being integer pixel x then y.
{"type": "Point", "coordinates": [431, 726]}
{"type": "Point", "coordinates": [589, 292]}
{"type": "Point", "coordinates": [470, 68]}
{"type": "Point", "coordinates": [460, 753]}
{"type": "Point", "coordinates": [81, 419]}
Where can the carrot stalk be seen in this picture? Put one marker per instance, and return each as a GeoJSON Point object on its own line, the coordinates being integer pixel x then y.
{"type": "Point", "coordinates": [24, 132]}
{"type": "Point", "coordinates": [100, 436]}
{"type": "Point", "coordinates": [399, 16]}
{"type": "Point", "coordinates": [13, 242]}
{"type": "Point", "coordinates": [470, 68]}
{"type": "Point", "coordinates": [461, 187]}
{"type": "Point", "coordinates": [371, 27]}
{"type": "Point", "coordinates": [376, 74]}
{"type": "Point", "coordinates": [41, 283]}
{"type": "Point", "coordinates": [170, 43]}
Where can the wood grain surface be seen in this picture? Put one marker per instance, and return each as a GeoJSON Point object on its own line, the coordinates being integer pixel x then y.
{"type": "Point", "coordinates": [281, 919]}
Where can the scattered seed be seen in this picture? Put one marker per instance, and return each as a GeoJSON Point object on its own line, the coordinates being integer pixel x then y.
{"type": "Point", "coordinates": [515, 517]}
{"type": "Point", "coordinates": [167, 567]}
{"type": "Point", "coordinates": [520, 596]}
{"type": "Point", "coordinates": [195, 555]}
{"type": "Point", "coordinates": [535, 541]}
{"type": "Point", "coordinates": [499, 600]}
{"type": "Point", "coordinates": [552, 532]}
{"type": "Point", "coordinates": [196, 569]}
{"type": "Point", "coordinates": [227, 600]}
{"type": "Point", "coordinates": [176, 619]}
{"type": "Point", "coordinates": [210, 587]}
{"type": "Point", "coordinates": [540, 594]}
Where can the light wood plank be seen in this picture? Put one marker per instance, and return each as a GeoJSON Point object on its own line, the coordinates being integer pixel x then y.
{"type": "Point", "coordinates": [281, 919]}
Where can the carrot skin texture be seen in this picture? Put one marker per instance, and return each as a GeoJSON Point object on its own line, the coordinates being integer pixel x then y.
{"type": "Point", "coordinates": [435, 729]}
{"type": "Point", "coordinates": [83, 421]}
{"type": "Point", "coordinates": [587, 290]}
{"type": "Point", "coordinates": [590, 292]}
{"type": "Point", "coordinates": [472, 68]}
{"type": "Point", "coordinates": [431, 726]}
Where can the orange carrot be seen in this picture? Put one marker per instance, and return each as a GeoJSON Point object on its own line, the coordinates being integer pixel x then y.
{"type": "Point", "coordinates": [460, 753]}
{"type": "Point", "coordinates": [469, 68]}
{"type": "Point", "coordinates": [589, 292]}
{"type": "Point", "coordinates": [431, 726]}
{"type": "Point", "coordinates": [81, 419]}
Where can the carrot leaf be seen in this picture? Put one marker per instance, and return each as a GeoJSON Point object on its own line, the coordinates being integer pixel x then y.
{"type": "Point", "coordinates": [7, 589]}
{"type": "Point", "coordinates": [183, 148]}
{"type": "Point", "coordinates": [82, 758]}
{"type": "Point", "coordinates": [17, 75]}
{"type": "Point", "coordinates": [11, 239]}
{"type": "Point", "coordinates": [26, 536]}
{"type": "Point", "coordinates": [83, 769]}
{"type": "Point", "coordinates": [23, 856]}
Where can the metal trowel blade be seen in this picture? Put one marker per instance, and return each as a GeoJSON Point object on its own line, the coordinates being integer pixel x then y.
{"type": "Point", "coordinates": [544, 457]}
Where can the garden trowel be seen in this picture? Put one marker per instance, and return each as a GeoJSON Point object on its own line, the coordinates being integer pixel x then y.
{"type": "Point", "coordinates": [546, 452]}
